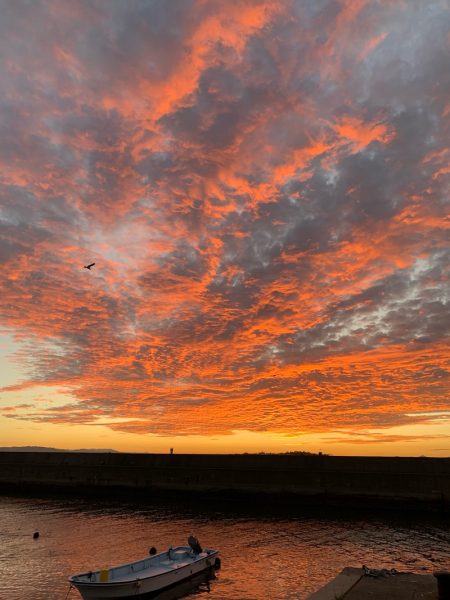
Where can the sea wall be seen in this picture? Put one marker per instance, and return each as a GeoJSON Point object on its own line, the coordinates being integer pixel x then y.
{"type": "Point", "coordinates": [361, 480]}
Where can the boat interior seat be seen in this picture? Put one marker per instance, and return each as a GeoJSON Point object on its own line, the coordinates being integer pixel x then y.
{"type": "Point", "coordinates": [167, 563]}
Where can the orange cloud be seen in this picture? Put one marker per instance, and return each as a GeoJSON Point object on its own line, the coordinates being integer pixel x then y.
{"type": "Point", "coordinates": [263, 196]}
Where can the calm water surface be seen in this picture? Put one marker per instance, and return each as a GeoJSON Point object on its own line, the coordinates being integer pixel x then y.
{"type": "Point", "coordinates": [276, 558]}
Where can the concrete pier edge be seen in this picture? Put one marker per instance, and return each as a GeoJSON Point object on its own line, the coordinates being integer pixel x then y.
{"type": "Point", "coordinates": [355, 584]}
{"type": "Point", "coordinates": [365, 482]}
{"type": "Point", "coordinates": [339, 586]}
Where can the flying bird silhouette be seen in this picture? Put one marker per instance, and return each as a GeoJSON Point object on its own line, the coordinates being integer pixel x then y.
{"type": "Point", "coordinates": [88, 266]}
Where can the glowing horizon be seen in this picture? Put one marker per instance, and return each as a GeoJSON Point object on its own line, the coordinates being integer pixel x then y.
{"type": "Point", "coordinates": [264, 189]}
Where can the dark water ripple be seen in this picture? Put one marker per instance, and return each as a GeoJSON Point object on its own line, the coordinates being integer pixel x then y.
{"type": "Point", "coordinates": [277, 558]}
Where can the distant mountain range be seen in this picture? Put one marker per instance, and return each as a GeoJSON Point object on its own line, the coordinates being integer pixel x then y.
{"type": "Point", "coordinates": [44, 449]}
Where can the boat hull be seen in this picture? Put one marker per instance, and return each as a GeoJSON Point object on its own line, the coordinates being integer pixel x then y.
{"type": "Point", "coordinates": [146, 587]}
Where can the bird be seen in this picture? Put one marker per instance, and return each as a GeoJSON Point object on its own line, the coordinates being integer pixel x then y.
{"type": "Point", "coordinates": [88, 266]}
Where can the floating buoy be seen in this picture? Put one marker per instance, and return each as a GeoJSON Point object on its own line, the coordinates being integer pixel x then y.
{"type": "Point", "coordinates": [35, 535]}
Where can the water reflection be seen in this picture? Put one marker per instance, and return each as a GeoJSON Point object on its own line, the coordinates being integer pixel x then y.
{"type": "Point", "coordinates": [277, 557]}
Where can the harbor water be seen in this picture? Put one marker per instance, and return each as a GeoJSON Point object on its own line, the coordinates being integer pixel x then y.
{"type": "Point", "coordinates": [265, 555]}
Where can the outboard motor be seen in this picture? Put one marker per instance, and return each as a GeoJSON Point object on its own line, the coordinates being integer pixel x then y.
{"type": "Point", "coordinates": [194, 544]}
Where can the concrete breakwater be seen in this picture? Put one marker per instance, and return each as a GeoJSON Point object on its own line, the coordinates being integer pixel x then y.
{"type": "Point", "coordinates": [355, 481]}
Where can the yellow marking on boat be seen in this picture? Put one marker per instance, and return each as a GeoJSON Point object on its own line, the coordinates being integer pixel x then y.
{"type": "Point", "coordinates": [104, 575]}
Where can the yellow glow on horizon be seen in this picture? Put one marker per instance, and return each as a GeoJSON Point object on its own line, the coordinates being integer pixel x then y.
{"type": "Point", "coordinates": [435, 440]}
{"type": "Point", "coordinates": [430, 439]}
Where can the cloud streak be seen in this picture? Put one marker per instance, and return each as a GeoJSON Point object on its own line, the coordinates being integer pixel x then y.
{"type": "Point", "coordinates": [264, 189]}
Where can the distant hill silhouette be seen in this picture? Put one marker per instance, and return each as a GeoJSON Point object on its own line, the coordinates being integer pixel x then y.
{"type": "Point", "coordinates": [44, 449]}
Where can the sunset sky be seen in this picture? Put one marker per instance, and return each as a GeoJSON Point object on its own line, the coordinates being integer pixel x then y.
{"type": "Point", "coordinates": [264, 189]}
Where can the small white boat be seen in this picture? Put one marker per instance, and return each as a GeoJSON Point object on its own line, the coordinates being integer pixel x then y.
{"type": "Point", "coordinates": [146, 577]}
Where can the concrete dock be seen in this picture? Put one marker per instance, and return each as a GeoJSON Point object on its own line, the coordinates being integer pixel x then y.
{"type": "Point", "coordinates": [367, 482]}
{"type": "Point", "coordinates": [371, 584]}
